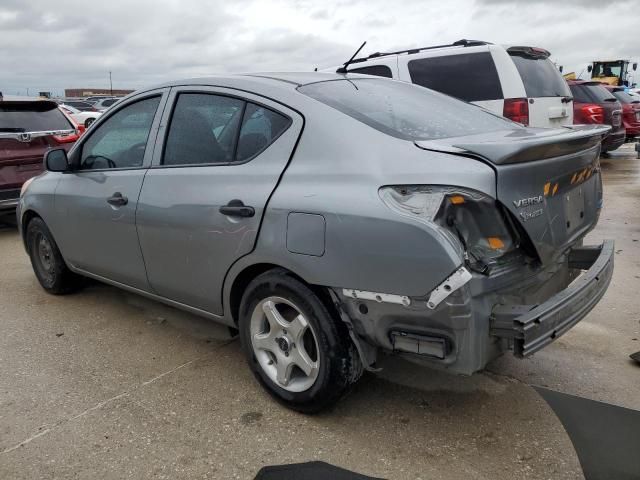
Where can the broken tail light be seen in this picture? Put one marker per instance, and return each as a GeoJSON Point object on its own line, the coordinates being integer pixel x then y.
{"type": "Point", "coordinates": [476, 220]}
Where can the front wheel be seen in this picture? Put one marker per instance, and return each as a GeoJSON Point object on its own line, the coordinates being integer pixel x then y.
{"type": "Point", "coordinates": [47, 262]}
{"type": "Point", "coordinates": [296, 349]}
{"type": "Point", "coordinates": [88, 122]}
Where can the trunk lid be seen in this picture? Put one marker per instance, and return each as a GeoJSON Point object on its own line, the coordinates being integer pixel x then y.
{"type": "Point", "coordinates": [549, 180]}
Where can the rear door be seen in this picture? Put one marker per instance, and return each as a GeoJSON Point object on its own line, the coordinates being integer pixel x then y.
{"type": "Point", "coordinates": [202, 201]}
{"type": "Point", "coordinates": [548, 94]}
{"type": "Point", "coordinates": [96, 202]}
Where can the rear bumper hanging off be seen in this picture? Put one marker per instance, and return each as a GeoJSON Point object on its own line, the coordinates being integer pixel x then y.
{"type": "Point", "coordinates": [531, 327]}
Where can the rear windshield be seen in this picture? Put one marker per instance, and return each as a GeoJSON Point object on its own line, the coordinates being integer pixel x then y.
{"type": "Point", "coordinates": [31, 117]}
{"type": "Point", "coordinates": [540, 77]}
{"type": "Point", "coordinates": [624, 97]}
{"type": "Point", "coordinates": [404, 110]}
{"type": "Point", "coordinates": [586, 93]}
{"type": "Point", "coordinates": [467, 76]}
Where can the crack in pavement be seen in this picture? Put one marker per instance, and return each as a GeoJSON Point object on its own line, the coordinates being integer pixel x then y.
{"type": "Point", "coordinates": [112, 399]}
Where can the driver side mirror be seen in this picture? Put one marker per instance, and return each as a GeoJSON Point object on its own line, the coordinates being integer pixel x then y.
{"type": "Point", "coordinates": [589, 68]}
{"type": "Point", "coordinates": [634, 66]}
{"type": "Point", "coordinates": [56, 160]}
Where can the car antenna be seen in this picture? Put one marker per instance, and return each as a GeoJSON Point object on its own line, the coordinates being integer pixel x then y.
{"type": "Point", "coordinates": [343, 68]}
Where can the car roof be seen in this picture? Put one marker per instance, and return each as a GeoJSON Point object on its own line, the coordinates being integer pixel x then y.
{"type": "Point", "coordinates": [295, 79]}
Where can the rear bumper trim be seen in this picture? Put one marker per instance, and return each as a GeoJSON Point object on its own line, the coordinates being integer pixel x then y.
{"type": "Point", "coordinates": [532, 327]}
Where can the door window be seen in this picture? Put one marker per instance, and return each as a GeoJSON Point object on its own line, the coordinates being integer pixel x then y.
{"type": "Point", "coordinates": [467, 76]}
{"type": "Point", "coordinates": [203, 129]}
{"type": "Point", "coordinates": [120, 141]}
{"type": "Point", "coordinates": [210, 129]}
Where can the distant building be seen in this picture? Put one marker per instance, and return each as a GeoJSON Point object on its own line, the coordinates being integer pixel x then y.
{"type": "Point", "coordinates": [87, 92]}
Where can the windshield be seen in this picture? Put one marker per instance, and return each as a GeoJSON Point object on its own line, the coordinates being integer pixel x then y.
{"type": "Point", "coordinates": [405, 111]}
{"type": "Point", "coordinates": [607, 69]}
{"type": "Point", "coordinates": [540, 77]}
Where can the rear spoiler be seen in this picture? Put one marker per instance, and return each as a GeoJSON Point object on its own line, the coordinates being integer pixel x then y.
{"type": "Point", "coordinates": [522, 145]}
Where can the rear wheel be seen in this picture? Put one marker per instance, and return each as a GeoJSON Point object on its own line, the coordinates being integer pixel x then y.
{"type": "Point", "coordinates": [296, 349]}
{"type": "Point", "coordinates": [47, 262]}
{"type": "Point", "coordinates": [88, 122]}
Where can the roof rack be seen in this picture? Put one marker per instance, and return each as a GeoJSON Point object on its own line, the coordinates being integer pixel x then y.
{"type": "Point", "coordinates": [459, 43]}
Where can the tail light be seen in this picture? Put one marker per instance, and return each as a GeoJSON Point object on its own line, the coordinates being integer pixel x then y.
{"type": "Point", "coordinates": [592, 114]}
{"type": "Point", "coordinates": [68, 138]}
{"type": "Point", "coordinates": [516, 109]}
{"type": "Point", "coordinates": [470, 217]}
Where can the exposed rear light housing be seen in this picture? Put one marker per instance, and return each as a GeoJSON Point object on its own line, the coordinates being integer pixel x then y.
{"type": "Point", "coordinates": [516, 109]}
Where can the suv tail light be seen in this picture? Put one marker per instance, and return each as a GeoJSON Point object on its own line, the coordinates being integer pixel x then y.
{"type": "Point", "coordinates": [592, 113]}
{"type": "Point", "coordinates": [68, 138]}
{"type": "Point", "coordinates": [516, 109]}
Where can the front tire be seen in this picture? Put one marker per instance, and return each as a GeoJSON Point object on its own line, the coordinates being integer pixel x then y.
{"type": "Point", "coordinates": [88, 122]}
{"type": "Point", "coordinates": [47, 262]}
{"type": "Point", "coordinates": [296, 349]}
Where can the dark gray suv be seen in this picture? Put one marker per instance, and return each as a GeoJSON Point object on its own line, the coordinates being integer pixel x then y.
{"type": "Point", "coordinates": [329, 217]}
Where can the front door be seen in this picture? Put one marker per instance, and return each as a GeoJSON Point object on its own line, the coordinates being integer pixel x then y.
{"type": "Point", "coordinates": [97, 201]}
{"type": "Point", "coordinates": [202, 201]}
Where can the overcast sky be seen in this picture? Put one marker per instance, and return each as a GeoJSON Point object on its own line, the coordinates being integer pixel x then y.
{"type": "Point", "coordinates": [52, 45]}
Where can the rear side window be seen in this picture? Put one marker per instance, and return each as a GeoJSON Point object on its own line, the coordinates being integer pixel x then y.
{"type": "Point", "coordinates": [540, 77]}
{"type": "Point", "coordinates": [586, 93]}
{"type": "Point", "coordinates": [260, 127]}
{"type": "Point", "coordinates": [36, 116]}
{"type": "Point", "coordinates": [468, 76]}
{"type": "Point", "coordinates": [405, 111]}
{"type": "Point", "coordinates": [377, 70]}
{"type": "Point", "coordinates": [108, 103]}
{"type": "Point", "coordinates": [214, 129]}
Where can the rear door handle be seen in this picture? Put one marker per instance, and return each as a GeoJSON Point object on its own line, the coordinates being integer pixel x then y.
{"type": "Point", "coordinates": [117, 200]}
{"type": "Point", "coordinates": [235, 208]}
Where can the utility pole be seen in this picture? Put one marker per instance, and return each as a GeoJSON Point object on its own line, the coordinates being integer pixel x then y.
{"type": "Point", "coordinates": [110, 84]}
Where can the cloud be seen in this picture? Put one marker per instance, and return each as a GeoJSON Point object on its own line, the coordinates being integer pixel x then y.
{"type": "Point", "coordinates": [72, 43]}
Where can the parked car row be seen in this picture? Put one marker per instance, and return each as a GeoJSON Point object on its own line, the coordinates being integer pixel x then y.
{"type": "Point", "coordinates": [518, 82]}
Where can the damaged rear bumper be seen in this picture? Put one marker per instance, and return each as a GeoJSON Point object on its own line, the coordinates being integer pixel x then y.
{"type": "Point", "coordinates": [531, 327]}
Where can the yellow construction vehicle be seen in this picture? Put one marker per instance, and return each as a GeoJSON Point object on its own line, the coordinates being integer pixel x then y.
{"type": "Point", "coordinates": [613, 72]}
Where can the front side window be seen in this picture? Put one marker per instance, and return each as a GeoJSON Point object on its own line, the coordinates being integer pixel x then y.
{"type": "Point", "coordinates": [214, 129]}
{"type": "Point", "coordinates": [405, 111]}
{"type": "Point", "coordinates": [467, 76]}
{"type": "Point", "coordinates": [120, 141]}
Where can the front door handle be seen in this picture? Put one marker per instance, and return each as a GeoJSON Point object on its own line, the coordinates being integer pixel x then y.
{"type": "Point", "coordinates": [117, 200]}
{"type": "Point", "coordinates": [235, 208]}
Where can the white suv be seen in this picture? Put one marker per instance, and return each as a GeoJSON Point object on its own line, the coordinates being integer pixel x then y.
{"type": "Point", "coordinates": [520, 83]}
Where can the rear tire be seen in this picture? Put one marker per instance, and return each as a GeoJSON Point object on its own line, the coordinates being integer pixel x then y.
{"type": "Point", "coordinates": [296, 349]}
{"type": "Point", "coordinates": [47, 262]}
{"type": "Point", "coordinates": [88, 122]}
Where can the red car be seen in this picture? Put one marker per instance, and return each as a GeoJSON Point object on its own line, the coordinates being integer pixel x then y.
{"type": "Point", "coordinates": [593, 103]}
{"type": "Point", "coordinates": [28, 128]}
{"type": "Point", "coordinates": [630, 111]}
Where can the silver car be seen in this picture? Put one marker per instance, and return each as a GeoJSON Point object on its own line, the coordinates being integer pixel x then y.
{"type": "Point", "coordinates": [329, 218]}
